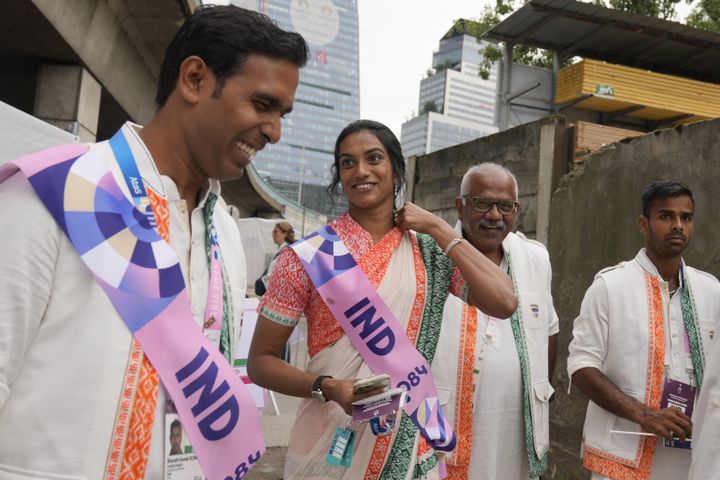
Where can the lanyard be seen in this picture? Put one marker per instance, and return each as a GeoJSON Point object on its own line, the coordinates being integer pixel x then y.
{"type": "Point", "coordinates": [131, 174]}
{"type": "Point", "coordinates": [214, 306]}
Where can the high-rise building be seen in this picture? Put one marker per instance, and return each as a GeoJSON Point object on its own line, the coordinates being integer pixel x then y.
{"type": "Point", "coordinates": [456, 105]}
{"type": "Point", "coordinates": [327, 98]}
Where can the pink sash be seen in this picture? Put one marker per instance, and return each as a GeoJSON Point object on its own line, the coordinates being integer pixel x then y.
{"type": "Point", "coordinates": [147, 289]}
{"type": "Point", "coordinates": [374, 331]}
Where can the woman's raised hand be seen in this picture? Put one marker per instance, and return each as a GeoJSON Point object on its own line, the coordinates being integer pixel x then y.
{"type": "Point", "coordinates": [412, 217]}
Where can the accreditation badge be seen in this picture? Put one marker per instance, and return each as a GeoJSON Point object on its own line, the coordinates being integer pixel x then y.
{"type": "Point", "coordinates": [681, 396]}
{"type": "Point", "coordinates": [181, 463]}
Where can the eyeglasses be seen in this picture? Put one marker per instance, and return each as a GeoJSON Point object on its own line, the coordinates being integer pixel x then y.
{"type": "Point", "coordinates": [483, 205]}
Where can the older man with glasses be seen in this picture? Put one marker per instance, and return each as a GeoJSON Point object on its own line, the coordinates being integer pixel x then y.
{"type": "Point", "coordinates": [494, 374]}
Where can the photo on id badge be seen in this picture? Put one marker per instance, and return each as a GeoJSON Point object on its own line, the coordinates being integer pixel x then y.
{"type": "Point", "coordinates": [180, 460]}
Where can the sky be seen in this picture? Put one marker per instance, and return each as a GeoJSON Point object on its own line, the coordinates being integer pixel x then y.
{"type": "Point", "coordinates": [397, 40]}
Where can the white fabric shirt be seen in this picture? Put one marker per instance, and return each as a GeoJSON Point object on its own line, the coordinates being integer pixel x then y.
{"type": "Point", "coordinates": [63, 348]}
{"type": "Point", "coordinates": [498, 447]}
{"type": "Point", "coordinates": [591, 345]}
{"type": "Point", "coordinates": [706, 429]}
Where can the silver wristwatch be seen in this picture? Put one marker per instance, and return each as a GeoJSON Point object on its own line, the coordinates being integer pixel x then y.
{"type": "Point", "coordinates": [316, 392]}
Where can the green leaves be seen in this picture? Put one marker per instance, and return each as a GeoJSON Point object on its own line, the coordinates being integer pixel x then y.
{"type": "Point", "coordinates": [705, 15]}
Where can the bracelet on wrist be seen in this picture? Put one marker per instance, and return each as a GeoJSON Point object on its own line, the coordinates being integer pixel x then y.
{"type": "Point", "coordinates": [452, 244]}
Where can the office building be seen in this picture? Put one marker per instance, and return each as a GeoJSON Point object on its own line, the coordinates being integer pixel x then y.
{"type": "Point", "coordinates": [455, 104]}
{"type": "Point", "coordinates": [327, 98]}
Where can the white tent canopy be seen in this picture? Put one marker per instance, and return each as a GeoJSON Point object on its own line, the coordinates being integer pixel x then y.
{"type": "Point", "coordinates": [256, 235]}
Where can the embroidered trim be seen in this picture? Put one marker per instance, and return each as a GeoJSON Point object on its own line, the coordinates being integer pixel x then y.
{"type": "Point", "coordinates": [270, 311]}
{"type": "Point", "coordinates": [383, 444]}
{"type": "Point", "coordinates": [439, 271]}
{"type": "Point", "coordinates": [459, 464]}
{"type": "Point", "coordinates": [426, 463]}
{"type": "Point", "coordinates": [697, 353]}
{"type": "Point", "coordinates": [117, 443]}
{"type": "Point", "coordinates": [612, 466]}
{"type": "Point", "coordinates": [142, 414]}
{"type": "Point", "coordinates": [536, 465]}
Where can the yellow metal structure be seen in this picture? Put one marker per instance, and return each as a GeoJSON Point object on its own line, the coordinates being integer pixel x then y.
{"type": "Point", "coordinates": [591, 137]}
{"type": "Point", "coordinates": [605, 87]}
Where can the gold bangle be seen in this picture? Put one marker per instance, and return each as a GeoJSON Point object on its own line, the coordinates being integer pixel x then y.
{"type": "Point", "coordinates": [452, 244]}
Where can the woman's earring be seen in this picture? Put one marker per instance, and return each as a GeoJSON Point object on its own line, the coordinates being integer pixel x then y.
{"type": "Point", "coordinates": [396, 190]}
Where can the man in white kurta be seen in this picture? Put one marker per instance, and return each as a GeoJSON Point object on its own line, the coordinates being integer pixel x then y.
{"type": "Point", "coordinates": [65, 353]}
{"type": "Point", "coordinates": [65, 349]}
{"type": "Point", "coordinates": [479, 368]}
{"type": "Point", "coordinates": [642, 323]}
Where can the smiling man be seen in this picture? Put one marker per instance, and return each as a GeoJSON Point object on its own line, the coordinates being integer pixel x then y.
{"type": "Point", "coordinates": [496, 372]}
{"type": "Point", "coordinates": [638, 348]}
{"type": "Point", "coordinates": [118, 259]}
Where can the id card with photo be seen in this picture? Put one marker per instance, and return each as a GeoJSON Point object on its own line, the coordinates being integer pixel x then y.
{"type": "Point", "coordinates": [681, 396]}
{"type": "Point", "coordinates": [181, 463]}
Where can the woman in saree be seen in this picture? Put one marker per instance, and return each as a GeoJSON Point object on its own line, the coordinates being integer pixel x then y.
{"type": "Point", "coordinates": [402, 253]}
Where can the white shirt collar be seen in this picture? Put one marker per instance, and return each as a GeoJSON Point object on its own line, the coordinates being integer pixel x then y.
{"type": "Point", "coordinates": [161, 184]}
{"type": "Point", "coordinates": [650, 267]}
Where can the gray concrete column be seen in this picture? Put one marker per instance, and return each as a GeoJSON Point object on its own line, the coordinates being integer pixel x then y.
{"type": "Point", "coordinates": [68, 97]}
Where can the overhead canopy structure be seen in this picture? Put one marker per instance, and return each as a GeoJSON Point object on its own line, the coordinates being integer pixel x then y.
{"type": "Point", "coordinates": [121, 43]}
{"type": "Point", "coordinates": [570, 28]}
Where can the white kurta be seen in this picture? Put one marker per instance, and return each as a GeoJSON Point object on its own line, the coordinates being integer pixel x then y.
{"type": "Point", "coordinates": [63, 348]}
{"type": "Point", "coordinates": [595, 327]}
{"type": "Point", "coordinates": [498, 448]}
{"type": "Point", "coordinates": [706, 429]}
{"type": "Point", "coordinates": [669, 463]}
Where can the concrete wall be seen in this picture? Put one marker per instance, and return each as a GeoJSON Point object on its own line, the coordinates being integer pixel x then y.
{"type": "Point", "coordinates": [592, 214]}
{"type": "Point", "coordinates": [109, 39]}
{"type": "Point", "coordinates": [593, 224]}
{"type": "Point", "coordinates": [535, 152]}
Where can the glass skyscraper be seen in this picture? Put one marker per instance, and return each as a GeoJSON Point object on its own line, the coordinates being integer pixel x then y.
{"type": "Point", "coordinates": [327, 98]}
{"type": "Point", "coordinates": [456, 105]}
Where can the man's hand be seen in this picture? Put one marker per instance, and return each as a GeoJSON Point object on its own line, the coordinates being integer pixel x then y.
{"type": "Point", "coordinates": [593, 383]}
{"type": "Point", "coordinates": [665, 423]}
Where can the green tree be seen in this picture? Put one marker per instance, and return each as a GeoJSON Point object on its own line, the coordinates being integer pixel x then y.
{"type": "Point", "coordinates": [705, 15]}
{"type": "Point", "coordinates": [664, 9]}
{"type": "Point", "coordinates": [492, 15]}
